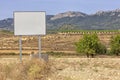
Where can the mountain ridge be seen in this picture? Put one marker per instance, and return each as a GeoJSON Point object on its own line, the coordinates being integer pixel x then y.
{"type": "Point", "coordinates": [68, 14]}
{"type": "Point", "coordinates": [79, 20]}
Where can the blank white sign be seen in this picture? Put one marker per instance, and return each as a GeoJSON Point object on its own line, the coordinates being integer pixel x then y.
{"type": "Point", "coordinates": [29, 23]}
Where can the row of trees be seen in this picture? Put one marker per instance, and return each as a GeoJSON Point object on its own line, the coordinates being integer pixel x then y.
{"type": "Point", "coordinates": [91, 45]}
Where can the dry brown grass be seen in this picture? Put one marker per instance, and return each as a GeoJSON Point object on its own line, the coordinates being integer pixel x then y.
{"type": "Point", "coordinates": [28, 70]}
{"type": "Point", "coordinates": [61, 69]}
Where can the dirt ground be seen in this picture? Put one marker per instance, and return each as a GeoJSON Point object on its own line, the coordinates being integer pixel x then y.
{"type": "Point", "coordinates": [85, 69]}
{"type": "Point", "coordinates": [79, 68]}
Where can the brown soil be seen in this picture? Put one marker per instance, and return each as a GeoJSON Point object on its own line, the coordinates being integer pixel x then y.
{"type": "Point", "coordinates": [85, 69]}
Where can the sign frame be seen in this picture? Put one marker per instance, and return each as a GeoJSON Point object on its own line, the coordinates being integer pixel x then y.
{"type": "Point", "coordinates": [18, 30]}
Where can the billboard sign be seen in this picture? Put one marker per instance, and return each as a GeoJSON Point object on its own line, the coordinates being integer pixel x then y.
{"type": "Point", "coordinates": [29, 23]}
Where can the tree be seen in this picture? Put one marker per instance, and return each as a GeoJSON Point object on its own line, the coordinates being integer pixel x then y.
{"type": "Point", "coordinates": [115, 45]}
{"type": "Point", "coordinates": [89, 44]}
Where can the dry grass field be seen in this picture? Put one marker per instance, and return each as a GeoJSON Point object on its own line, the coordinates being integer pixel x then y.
{"type": "Point", "coordinates": [50, 42]}
{"type": "Point", "coordinates": [58, 68]}
{"type": "Point", "coordinates": [63, 69]}
{"type": "Point", "coordinates": [13, 69]}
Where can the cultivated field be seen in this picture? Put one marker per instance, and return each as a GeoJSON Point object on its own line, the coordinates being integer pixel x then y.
{"type": "Point", "coordinates": [51, 42]}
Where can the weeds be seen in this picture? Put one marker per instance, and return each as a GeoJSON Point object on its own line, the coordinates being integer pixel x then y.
{"type": "Point", "coordinates": [29, 70]}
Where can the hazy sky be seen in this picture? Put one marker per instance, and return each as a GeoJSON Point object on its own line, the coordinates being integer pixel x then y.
{"type": "Point", "coordinates": [7, 7]}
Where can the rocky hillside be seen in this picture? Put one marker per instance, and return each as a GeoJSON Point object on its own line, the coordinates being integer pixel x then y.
{"type": "Point", "coordinates": [68, 14]}
{"type": "Point", "coordinates": [78, 20]}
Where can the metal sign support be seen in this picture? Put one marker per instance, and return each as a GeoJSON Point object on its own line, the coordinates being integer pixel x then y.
{"type": "Point", "coordinates": [39, 45]}
{"type": "Point", "coordinates": [20, 47]}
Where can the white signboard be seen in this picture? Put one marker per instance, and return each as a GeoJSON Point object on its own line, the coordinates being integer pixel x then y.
{"type": "Point", "coordinates": [29, 23]}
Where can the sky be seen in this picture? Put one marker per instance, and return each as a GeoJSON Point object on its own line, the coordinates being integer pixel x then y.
{"type": "Point", "coordinates": [7, 7]}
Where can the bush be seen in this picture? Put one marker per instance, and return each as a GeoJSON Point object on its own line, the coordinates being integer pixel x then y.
{"type": "Point", "coordinates": [90, 45]}
{"type": "Point", "coordinates": [101, 49]}
{"type": "Point", "coordinates": [115, 45]}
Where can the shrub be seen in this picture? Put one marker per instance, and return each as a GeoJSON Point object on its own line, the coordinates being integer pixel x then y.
{"type": "Point", "coordinates": [115, 45]}
{"type": "Point", "coordinates": [90, 45]}
{"type": "Point", "coordinates": [101, 49]}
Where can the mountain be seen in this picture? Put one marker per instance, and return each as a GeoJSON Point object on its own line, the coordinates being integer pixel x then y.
{"type": "Point", "coordinates": [70, 17]}
{"type": "Point", "coordinates": [68, 14]}
{"type": "Point", "coordinates": [99, 20]}
{"type": "Point", "coordinates": [6, 24]}
{"type": "Point", "coordinates": [76, 20]}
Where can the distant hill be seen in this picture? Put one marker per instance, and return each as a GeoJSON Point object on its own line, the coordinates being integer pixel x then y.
{"type": "Point", "coordinates": [76, 20]}
{"type": "Point", "coordinates": [6, 24]}
{"type": "Point", "coordinates": [100, 20]}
